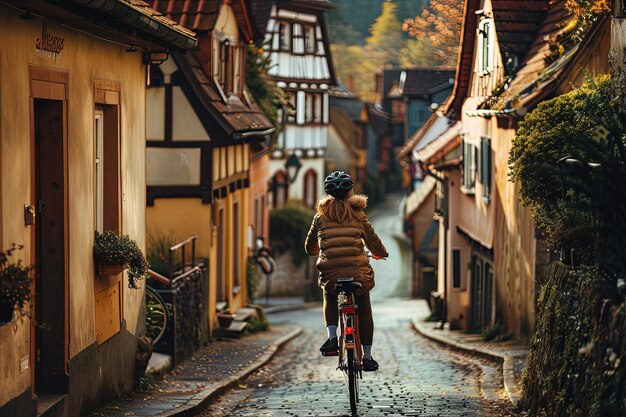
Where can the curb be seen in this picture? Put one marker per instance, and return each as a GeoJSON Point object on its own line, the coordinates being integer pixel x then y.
{"type": "Point", "coordinates": [203, 398]}
{"type": "Point", "coordinates": [506, 361]}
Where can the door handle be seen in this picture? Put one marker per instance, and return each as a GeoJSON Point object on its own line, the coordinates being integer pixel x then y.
{"type": "Point", "coordinates": [29, 214]}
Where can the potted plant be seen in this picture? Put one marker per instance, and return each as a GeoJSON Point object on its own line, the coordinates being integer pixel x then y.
{"type": "Point", "coordinates": [14, 285]}
{"type": "Point", "coordinates": [225, 318]}
{"type": "Point", "coordinates": [113, 254]}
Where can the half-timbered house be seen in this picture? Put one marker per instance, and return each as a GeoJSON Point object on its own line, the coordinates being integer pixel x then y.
{"type": "Point", "coordinates": [202, 128]}
{"type": "Point", "coordinates": [297, 44]}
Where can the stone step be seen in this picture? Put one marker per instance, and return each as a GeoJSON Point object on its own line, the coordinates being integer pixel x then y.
{"type": "Point", "coordinates": [244, 313]}
{"type": "Point", "coordinates": [51, 405]}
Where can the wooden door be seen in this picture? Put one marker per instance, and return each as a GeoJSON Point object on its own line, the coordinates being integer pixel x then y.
{"type": "Point", "coordinates": [50, 285]}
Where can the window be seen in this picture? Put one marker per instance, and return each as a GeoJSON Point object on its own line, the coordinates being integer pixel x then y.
{"type": "Point", "coordinates": [309, 39]}
{"type": "Point", "coordinates": [469, 166]}
{"type": "Point", "coordinates": [297, 38]}
{"type": "Point", "coordinates": [484, 173]}
{"type": "Point", "coordinates": [313, 108]}
{"type": "Point", "coordinates": [456, 268]}
{"type": "Point", "coordinates": [107, 205]}
{"type": "Point", "coordinates": [485, 45]}
{"type": "Point", "coordinates": [99, 161]}
{"type": "Point", "coordinates": [279, 187]}
{"type": "Point", "coordinates": [173, 166]}
{"type": "Point", "coordinates": [236, 251]}
{"type": "Point", "coordinates": [284, 34]}
{"type": "Point", "coordinates": [310, 188]}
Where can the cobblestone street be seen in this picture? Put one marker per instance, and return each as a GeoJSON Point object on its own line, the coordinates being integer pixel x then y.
{"type": "Point", "coordinates": [417, 377]}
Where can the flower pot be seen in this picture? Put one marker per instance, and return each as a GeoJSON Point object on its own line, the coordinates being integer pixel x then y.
{"type": "Point", "coordinates": [225, 319]}
{"type": "Point", "coordinates": [6, 313]}
{"type": "Point", "coordinates": [109, 270]}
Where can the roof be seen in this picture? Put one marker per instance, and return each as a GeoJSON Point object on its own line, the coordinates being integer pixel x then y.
{"type": "Point", "coordinates": [464, 67]}
{"type": "Point", "coordinates": [426, 81]}
{"type": "Point", "coordinates": [129, 22]}
{"type": "Point", "coordinates": [201, 15]}
{"type": "Point", "coordinates": [415, 200]}
{"type": "Point", "coordinates": [436, 150]}
{"type": "Point", "coordinates": [535, 76]}
{"type": "Point", "coordinates": [517, 23]}
{"type": "Point", "coordinates": [235, 117]}
{"type": "Point", "coordinates": [311, 5]}
{"type": "Point", "coordinates": [379, 120]}
{"type": "Point", "coordinates": [430, 130]}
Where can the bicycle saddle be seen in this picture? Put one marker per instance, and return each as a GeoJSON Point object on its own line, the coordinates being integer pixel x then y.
{"type": "Point", "coordinates": [348, 285]}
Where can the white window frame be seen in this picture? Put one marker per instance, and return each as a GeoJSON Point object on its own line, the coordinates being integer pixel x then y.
{"type": "Point", "coordinates": [485, 35]}
{"type": "Point", "coordinates": [99, 170]}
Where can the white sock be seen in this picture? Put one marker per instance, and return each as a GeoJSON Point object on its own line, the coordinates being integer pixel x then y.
{"type": "Point", "coordinates": [367, 351]}
{"type": "Point", "coordinates": [332, 331]}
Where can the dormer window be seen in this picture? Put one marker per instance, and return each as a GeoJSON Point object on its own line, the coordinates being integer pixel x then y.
{"type": "Point", "coordinates": [226, 66]}
{"type": "Point", "coordinates": [485, 45]}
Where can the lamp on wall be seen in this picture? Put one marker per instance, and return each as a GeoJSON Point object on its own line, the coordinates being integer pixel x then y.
{"type": "Point", "coordinates": [293, 165]}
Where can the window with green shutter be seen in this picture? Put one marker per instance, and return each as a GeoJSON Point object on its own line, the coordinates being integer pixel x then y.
{"type": "Point", "coordinates": [484, 173]}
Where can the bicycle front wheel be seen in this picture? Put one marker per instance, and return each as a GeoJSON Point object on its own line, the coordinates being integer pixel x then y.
{"type": "Point", "coordinates": [156, 315]}
{"type": "Point", "coordinates": [353, 380]}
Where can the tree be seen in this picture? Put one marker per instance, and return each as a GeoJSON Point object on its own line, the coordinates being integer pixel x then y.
{"type": "Point", "coordinates": [440, 23]}
{"type": "Point", "coordinates": [416, 53]}
{"type": "Point", "coordinates": [386, 36]}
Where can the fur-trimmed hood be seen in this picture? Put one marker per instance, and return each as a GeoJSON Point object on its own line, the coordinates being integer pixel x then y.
{"type": "Point", "coordinates": [357, 201]}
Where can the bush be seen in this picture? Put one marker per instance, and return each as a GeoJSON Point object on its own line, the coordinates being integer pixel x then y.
{"type": "Point", "coordinates": [289, 226]}
{"type": "Point", "coordinates": [551, 131]}
{"type": "Point", "coordinates": [14, 281]}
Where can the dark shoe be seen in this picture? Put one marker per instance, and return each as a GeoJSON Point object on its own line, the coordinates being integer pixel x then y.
{"type": "Point", "coordinates": [370, 365]}
{"type": "Point", "coordinates": [331, 345]}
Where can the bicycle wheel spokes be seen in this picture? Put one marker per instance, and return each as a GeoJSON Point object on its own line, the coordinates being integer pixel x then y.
{"type": "Point", "coordinates": [156, 315]}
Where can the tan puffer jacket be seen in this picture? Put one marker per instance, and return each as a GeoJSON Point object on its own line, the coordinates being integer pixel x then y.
{"type": "Point", "coordinates": [340, 246]}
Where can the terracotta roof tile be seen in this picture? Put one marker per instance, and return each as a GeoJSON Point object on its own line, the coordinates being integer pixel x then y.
{"type": "Point", "coordinates": [197, 15]}
{"type": "Point", "coordinates": [517, 22]}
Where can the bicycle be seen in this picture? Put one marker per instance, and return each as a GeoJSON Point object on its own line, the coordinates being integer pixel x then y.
{"type": "Point", "coordinates": [350, 351]}
{"type": "Point", "coordinates": [157, 315]}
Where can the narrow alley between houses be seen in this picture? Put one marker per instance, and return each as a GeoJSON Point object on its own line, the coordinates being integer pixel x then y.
{"type": "Point", "coordinates": [418, 377]}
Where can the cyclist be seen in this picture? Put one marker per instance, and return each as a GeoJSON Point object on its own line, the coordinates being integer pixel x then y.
{"type": "Point", "coordinates": [338, 234]}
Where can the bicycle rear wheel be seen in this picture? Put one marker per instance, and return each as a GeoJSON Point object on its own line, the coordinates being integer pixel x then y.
{"type": "Point", "coordinates": [353, 381]}
{"type": "Point", "coordinates": [156, 315]}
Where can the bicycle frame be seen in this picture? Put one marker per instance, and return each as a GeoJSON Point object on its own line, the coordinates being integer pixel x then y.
{"type": "Point", "coordinates": [349, 326]}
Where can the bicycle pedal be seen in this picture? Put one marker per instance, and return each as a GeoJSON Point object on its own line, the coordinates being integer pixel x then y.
{"type": "Point", "coordinates": [335, 353]}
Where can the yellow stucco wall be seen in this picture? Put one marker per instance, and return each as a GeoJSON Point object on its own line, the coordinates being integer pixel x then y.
{"type": "Point", "coordinates": [85, 58]}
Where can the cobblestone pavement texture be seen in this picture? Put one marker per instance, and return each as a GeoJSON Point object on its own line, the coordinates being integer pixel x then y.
{"type": "Point", "coordinates": [418, 377]}
{"type": "Point", "coordinates": [209, 367]}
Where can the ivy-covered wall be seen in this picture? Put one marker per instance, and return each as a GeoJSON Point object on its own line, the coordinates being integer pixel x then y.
{"type": "Point", "coordinates": [576, 364]}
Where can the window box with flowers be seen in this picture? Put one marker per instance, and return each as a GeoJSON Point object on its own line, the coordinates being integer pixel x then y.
{"type": "Point", "coordinates": [15, 283]}
{"type": "Point", "coordinates": [113, 254]}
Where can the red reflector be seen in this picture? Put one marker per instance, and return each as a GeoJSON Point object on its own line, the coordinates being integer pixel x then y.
{"type": "Point", "coordinates": [348, 309]}
{"type": "Point", "coordinates": [349, 330]}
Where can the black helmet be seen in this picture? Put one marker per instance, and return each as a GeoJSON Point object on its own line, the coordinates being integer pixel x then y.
{"type": "Point", "coordinates": [338, 183]}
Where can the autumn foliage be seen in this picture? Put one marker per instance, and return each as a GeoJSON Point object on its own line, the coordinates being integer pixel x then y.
{"type": "Point", "coordinates": [440, 24]}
